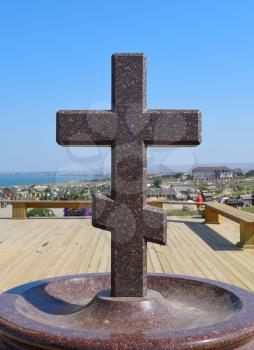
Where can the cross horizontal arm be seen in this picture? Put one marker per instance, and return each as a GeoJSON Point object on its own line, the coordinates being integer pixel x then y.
{"type": "Point", "coordinates": [172, 127]}
{"type": "Point", "coordinates": [87, 128]}
{"type": "Point", "coordinates": [154, 219]}
{"type": "Point", "coordinates": [155, 225]}
{"type": "Point", "coordinates": [103, 212]}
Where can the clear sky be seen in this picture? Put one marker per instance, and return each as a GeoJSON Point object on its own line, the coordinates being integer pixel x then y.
{"type": "Point", "coordinates": [55, 54]}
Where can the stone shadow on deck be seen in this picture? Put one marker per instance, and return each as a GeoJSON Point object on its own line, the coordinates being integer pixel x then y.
{"type": "Point", "coordinates": [212, 238]}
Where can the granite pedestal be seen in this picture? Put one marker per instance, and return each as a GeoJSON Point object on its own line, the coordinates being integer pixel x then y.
{"type": "Point", "coordinates": [78, 312]}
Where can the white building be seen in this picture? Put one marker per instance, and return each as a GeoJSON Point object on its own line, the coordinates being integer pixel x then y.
{"type": "Point", "coordinates": [212, 173]}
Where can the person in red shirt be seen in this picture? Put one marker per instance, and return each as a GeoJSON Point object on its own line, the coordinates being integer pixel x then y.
{"type": "Point", "coordinates": [199, 199]}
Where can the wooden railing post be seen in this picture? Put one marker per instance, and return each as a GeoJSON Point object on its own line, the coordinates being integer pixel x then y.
{"type": "Point", "coordinates": [19, 211]}
{"type": "Point", "coordinates": [246, 235]}
{"type": "Point", "coordinates": [211, 216]}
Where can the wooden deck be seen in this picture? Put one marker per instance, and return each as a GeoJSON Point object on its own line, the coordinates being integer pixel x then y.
{"type": "Point", "coordinates": [38, 248]}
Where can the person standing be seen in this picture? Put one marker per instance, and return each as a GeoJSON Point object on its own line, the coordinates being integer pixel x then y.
{"type": "Point", "coordinates": [200, 200]}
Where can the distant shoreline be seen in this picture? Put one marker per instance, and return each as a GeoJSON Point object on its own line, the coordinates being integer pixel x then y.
{"type": "Point", "coordinates": [38, 179]}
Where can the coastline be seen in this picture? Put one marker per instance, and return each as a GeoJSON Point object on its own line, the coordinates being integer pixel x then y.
{"type": "Point", "coordinates": [44, 180]}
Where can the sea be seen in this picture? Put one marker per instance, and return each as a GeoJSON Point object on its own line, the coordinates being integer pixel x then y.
{"type": "Point", "coordinates": [20, 179]}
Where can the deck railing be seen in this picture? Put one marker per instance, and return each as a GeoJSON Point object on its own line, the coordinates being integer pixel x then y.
{"type": "Point", "coordinates": [19, 207]}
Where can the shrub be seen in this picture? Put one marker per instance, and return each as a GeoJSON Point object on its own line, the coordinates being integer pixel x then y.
{"type": "Point", "coordinates": [157, 181]}
{"type": "Point", "coordinates": [41, 212]}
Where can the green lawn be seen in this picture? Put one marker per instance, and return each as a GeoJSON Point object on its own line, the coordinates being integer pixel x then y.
{"type": "Point", "coordinates": [182, 213]}
{"type": "Point", "coordinates": [178, 212]}
{"type": "Point", "coordinates": [250, 210]}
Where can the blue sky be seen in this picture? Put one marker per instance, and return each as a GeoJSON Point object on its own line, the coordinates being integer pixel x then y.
{"type": "Point", "coordinates": [55, 54]}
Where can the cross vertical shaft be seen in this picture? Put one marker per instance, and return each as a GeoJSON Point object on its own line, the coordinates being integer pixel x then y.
{"type": "Point", "coordinates": [128, 177]}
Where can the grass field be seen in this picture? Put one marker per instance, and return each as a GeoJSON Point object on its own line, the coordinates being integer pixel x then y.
{"type": "Point", "coordinates": [178, 212]}
{"type": "Point", "coordinates": [249, 210]}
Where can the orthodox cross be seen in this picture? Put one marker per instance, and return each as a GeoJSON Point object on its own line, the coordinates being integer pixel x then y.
{"type": "Point", "coordinates": [128, 128]}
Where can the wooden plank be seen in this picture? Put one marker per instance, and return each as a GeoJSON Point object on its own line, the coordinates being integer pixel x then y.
{"type": "Point", "coordinates": [149, 263]}
{"type": "Point", "coordinates": [154, 259]}
{"type": "Point", "coordinates": [208, 257]}
{"type": "Point", "coordinates": [186, 251]}
{"type": "Point", "coordinates": [233, 268]}
{"type": "Point", "coordinates": [88, 252]}
{"type": "Point", "coordinates": [77, 247]}
{"type": "Point", "coordinates": [196, 253]}
{"type": "Point", "coordinates": [95, 261]}
{"type": "Point", "coordinates": [230, 212]}
{"type": "Point", "coordinates": [106, 250]}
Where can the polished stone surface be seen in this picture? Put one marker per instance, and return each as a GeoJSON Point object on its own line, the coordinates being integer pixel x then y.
{"type": "Point", "coordinates": [128, 129]}
{"type": "Point", "coordinates": [177, 313]}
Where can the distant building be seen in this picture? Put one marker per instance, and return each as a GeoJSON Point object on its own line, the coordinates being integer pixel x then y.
{"type": "Point", "coordinates": [207, 173]}
{"type": "Point", "coordinates": [246, 199]}
{"type": "Point", "coordinates": [40, 188]}
{"type": "Point", "coordinates": [207, 196]}
{"type": "Point", "coordinates": [233, 202]}
{"type": "Point", "coordinates": [192, 196]}
{"type": "Point", "coordinates": [181, 197]}
{"type": "Point", "coordinates": [212, 188]}
{"type": "Point", "coordinates": [183, 188]}
{"type": "Point", "coordinates": [169, 192]}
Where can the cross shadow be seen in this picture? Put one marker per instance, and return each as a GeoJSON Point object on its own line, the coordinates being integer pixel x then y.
{"type": "Point", "coordinates": [212, 238]}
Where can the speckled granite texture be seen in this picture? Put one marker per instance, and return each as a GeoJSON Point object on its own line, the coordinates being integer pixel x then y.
{"type": "Point", "coordinates": [128, 128]}
{"type": "Point", "coordinates": [179, 313]}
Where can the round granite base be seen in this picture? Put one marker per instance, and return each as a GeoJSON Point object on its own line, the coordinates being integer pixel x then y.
{"type": "Point", "coordinates": [77, 312]}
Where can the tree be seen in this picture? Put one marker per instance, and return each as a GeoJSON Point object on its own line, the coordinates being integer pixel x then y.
{"type": "Point", "coordinates": [250, 173]}
{"type": "Point", "coordinates": [178, 175]}
{"type": "Point", "coordinates": [239, 188]}
{"type": "Point", "coordinates": [157, 181]}
{"type": "Point", "coordinates": [7, 192]}
{"type": "Point", "coordinates": [48, 194]}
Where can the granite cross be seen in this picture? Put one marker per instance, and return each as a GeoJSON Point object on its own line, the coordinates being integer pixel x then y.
{"type": "Point", "coordinates": [128, 128]}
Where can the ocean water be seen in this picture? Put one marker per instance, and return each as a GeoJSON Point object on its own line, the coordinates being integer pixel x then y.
{"type": "Point", "coordinates": [11, 180]}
